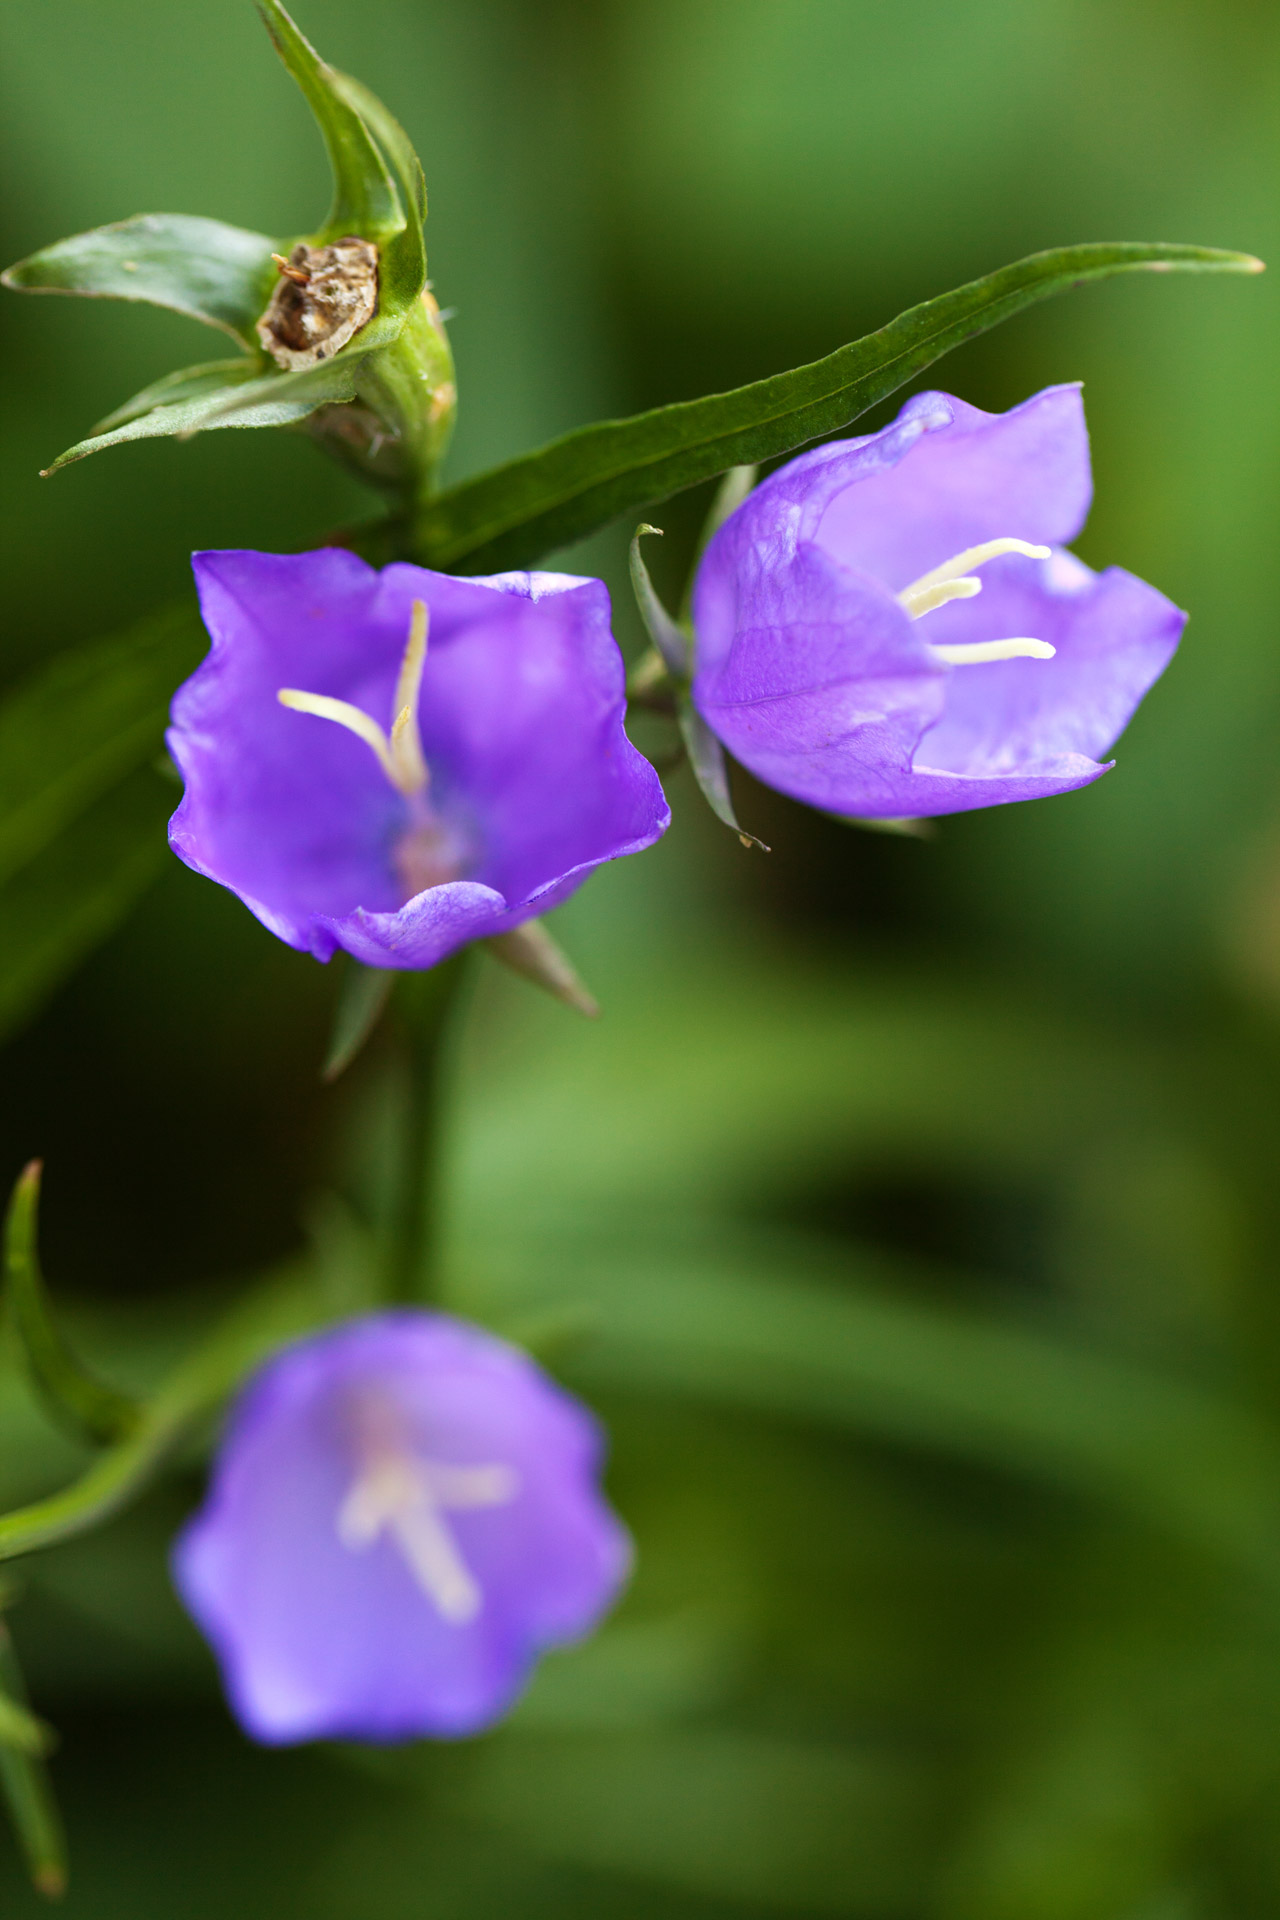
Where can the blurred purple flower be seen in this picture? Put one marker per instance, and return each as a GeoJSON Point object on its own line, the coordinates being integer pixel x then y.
{"type": "Point", "coordinates": [813, 671]}
{"type": "Point", "coordinates": [403, 1516]}
{"type": "Point", "coordinates": [346, 815]}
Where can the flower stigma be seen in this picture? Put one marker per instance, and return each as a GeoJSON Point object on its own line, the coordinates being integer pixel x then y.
{"type": "Point", "coordinates": [954, 581]}
{"type": "Point", "coordinates": [398, 753]}
{"type": "Point", "coordinates": [399, 1493]}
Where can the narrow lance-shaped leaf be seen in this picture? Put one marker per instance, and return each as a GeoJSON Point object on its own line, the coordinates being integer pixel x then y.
{"type": "Point", "coordinates": [25, 1782]}
{"type": "Point", "coordinates": [203, 268]}
{"type": "Point", "coordinates": [273, 400]}
{"type": "Point", "coordinates": [513, 515]}
{"type": "Point", "coordinates": [364, 201]}
{"type": "Point", "coordinates": [186, 383]}
{"type": "Point", "coordinates": [68, 1389]}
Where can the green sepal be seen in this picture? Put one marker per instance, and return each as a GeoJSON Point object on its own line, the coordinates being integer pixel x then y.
{"type": "Point", "coordinates": [710, 768]}
{"type": "Point", "coordinates": [515, 514]}
{"type": "Point", "coordinates": [365, 201]}
{"type": "Point", "coordinates": [82, 1402]}
{"type": "Point", "coordinates": [670, 640]}
{"type": "Point", "coordinates": [403, 264]}
{"type": "Point", "coordinates": [24, 1779]}
{"type": "Point", "coordinates": [212, 272]}
{"type": "Point", "coordinates": [707, 760]}
{"type": "Point", "coordinates": [362, 1001]}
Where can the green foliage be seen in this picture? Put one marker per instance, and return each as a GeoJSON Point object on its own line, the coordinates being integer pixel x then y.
{"type": "Point", "coordinates": [82, 811]}
{"type": "Point", "coordinates": [561, 492]}
{"type": "Point", "coordinates": [93, 1410]}
{"type": "Point", "coordinates": [198, 267]}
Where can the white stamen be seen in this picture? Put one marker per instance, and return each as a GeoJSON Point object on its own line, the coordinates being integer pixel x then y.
{"type": "Point", "coordinates": [978, 652]}
{"type": "Point", "coordinates": [399, 754]}
{"type": "Point", "coordinates": [917, 597]}
{"type": "Point", "coordinates": [406, 1497]}
{"type": "Point", "coordinates": [953, 581]}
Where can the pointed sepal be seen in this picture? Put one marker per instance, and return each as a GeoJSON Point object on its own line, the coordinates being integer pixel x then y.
{"type": "Point", "coordinates": [365, 200]}
{"type": "Point", "coordinates": [362, 1000]}
{"type": "Point", "coordinates": [672, 643]}
{"type": "Point", "coordinates": [536, 955]}
{"type": "Point", "coordinates": [211, 272]}
{"type": "Point", "coordinates": [71, 1393]}
{"type": "Point", "coordinates": [710, 768]}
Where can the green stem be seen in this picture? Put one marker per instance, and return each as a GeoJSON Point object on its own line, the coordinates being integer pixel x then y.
{"type": "Point", "coordinates": [426, 1003]}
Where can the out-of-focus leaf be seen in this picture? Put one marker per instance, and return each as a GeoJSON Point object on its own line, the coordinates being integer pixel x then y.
{"type": "Point", "coordinates": [733, 1815]}
{"type": "Point", "coordinates": [61, 904]}
{"type": "Point", "coordinates": [513, 515]}
{"type": "Point", "coordinates": [365, 202]}
{"type": "Point", "coordinates": [188, 383]}
{"type": "Point", "coordinates": [215, 273]}
{"type": "Point", "coordinates": [27, 1789]}
{"type": "Point", "coordinates": [740, 1329]}
{"type": "Point", "coordinates": [280, 1309]}
{"type": "Point", "coordinates": [73, 1394]}
{"type": "Point", "coordinates": [72, 729]}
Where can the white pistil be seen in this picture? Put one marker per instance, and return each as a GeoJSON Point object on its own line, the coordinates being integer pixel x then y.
{"type": "Point", "coordinates": [399, 753]}
{"type": "Point", "coordinates": [399, 1494]}
{"type": "Point", "coordinates": [953, 581]}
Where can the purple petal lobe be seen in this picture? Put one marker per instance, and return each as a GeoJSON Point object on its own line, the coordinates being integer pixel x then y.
{"type": "Point", "coordinates": [533, 781]}
{"type": "Point", "coordinates": [404, 1514]}
{"type": "Point", "coordinates": [812, 673]}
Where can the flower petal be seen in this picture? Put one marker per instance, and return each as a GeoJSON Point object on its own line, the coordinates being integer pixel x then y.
{"type": "Point", "coordinates": [981, 476]}
{"type": "Point", "coordinates": [521, 713]}
{"type": "Point", "coordinates": [318, 1640]}
{"type": "Point", "coordinates": [811, 674]}
{"type": "Point", "coordinates": [1114, 635]}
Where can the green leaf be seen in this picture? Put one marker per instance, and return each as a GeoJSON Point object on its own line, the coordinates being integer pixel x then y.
{"type": "Point", "coordinates": [63, 903]}
{"type": "Point", "coordinates": [755, 1335]}
{"type": "Point", "coordinates": [365, 202]}
{"type": "Point", "coordinates": [71, 1393]}
{"type": "Point", "coordinates": [271, 400]}
{"type": "Point", "coordinates": [282, 1309]}
{"type": "Point", "coordinates": [513, 515]}
{"type": "Point", "coordinates": [188, 383]}
{"type": "Point", "coordinates": [24, 1780]}
{"type": "Point", "coordinates": [71, 730]}
{"type": "Point", "coordinates": [215, 273]}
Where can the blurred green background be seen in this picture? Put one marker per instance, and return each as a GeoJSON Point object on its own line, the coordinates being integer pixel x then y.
{"type": "Point", "coordinates": [912, 1213]}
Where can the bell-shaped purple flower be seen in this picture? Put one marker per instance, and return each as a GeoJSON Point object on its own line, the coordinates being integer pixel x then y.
{"type": "Point", "coordinates": [400, 762]}
{"type": "Point", "coordinates": [404, 1514]}
{"type": "Point", "coordinates": [890, 626]}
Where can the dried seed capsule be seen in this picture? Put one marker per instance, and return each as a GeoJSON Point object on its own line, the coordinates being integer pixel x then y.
{"type": "Point", "coordinates": [325, 295]}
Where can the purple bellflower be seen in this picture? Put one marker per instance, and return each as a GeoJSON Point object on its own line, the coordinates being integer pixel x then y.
{"type": "Point", "coordinates": [851, 653]}
{"type": "Point", "coordinates": [396, 763]}
{"type": "Point", "coordinates": [404, 1514]}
